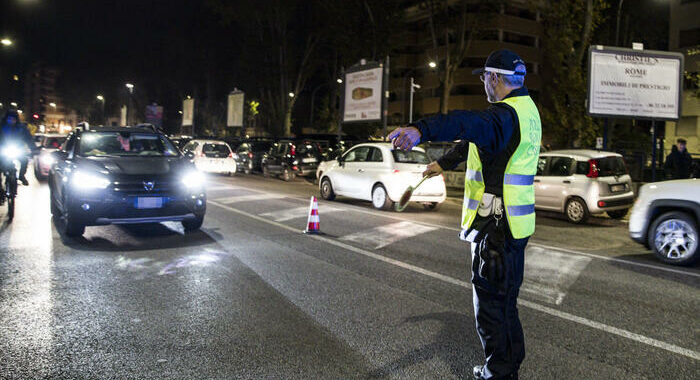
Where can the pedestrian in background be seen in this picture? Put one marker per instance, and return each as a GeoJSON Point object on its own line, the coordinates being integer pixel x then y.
{"type": "Point", "coordinates": [501, 146]}
{"type": "Point", "coordinates": [679, 163]}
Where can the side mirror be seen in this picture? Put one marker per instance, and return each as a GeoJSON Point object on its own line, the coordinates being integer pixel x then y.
{"type": "Point", "coordinates": [189, 154]}
{"type": "Point", "coordinates": [341, 161]}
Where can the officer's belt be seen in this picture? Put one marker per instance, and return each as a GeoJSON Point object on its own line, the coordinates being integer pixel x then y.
{"type": "Point", "coordinates": [490, 205]}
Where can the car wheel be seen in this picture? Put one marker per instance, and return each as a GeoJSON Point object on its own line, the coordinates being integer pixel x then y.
{"type": "Point", "coordinates": [618, 214]}
{"type": "Point", "coordinates": [266, 171]}
{"type": "Point", "coordinates": [54, 207]}
{"type": "Point", "coordinates": [380, 199]}
{"type": "Point", "coordinates": [432, 206]}
{"type": "Point", "coordinates": [192, 225]}
{"type": "Point", "coordinates": [673, 237]}
{"type": "Point", "coordinates": [69, 225]}
{"type": "Point", "coordinates": [38, 176]}
{"type": "Point", "coordinates": [249, 168]}
{"type": "Point", "coordinates": [576, 210]}
{"type": "Point", "coordinates": [327, 192]}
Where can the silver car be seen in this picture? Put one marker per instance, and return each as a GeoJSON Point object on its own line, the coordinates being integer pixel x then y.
{"type": "Point", "coordinates": [581, 182]}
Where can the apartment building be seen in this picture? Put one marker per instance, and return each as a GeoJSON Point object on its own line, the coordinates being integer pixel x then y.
{"type": "Point", "coordinates": [40, 98]}
{"type": "Point", "coordinates": [512, 25]}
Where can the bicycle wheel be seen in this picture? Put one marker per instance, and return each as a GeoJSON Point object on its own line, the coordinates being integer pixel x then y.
{"type": "Point", "coordinates": [11, 191]}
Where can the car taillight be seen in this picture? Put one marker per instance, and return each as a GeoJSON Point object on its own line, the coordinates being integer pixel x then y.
{"type": "Point", "coordinates": [395, 171]}
{"type": "Point", "coordinates": [230, 155]}
{"type": "Point", "coordinates": [592, 169]}
{"type": "Point", "coordinates": [293, 150]}
{"type": "Point", "coordinates": [201, 154]}
{"type": "Point", "coordinates": [601, 203]}
{"type": "Point", "coordinates": [250, 155]}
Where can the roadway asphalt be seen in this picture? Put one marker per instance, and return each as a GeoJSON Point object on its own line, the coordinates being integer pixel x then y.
{"type": "Point", "coordinates": [379, 295]}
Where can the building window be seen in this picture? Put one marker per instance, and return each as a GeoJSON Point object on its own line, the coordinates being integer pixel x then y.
{"type": "Point", "coordinates": [687, 126]}
{"type": "Point", "coordinates": [520, 12]}
{"type": "Point", "coordinates": [519, 39]}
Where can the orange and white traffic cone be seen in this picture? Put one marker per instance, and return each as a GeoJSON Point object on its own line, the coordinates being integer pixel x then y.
{"type": "Point", "coordinates": [313, 223]}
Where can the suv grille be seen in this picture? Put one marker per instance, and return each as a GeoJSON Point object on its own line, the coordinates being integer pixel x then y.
{"type": "Point", "coordinates": [143, 187]}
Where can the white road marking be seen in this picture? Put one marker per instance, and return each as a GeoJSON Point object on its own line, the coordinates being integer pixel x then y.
{"type": "Point", "coordinates": [382, 236]}
{"type": "Point", "coordinates": [223, 187]}
{"type": "Point", "coordinates": [549, 274]}
{"type": "Point", "coordinates": [250, 197]}
{"type": "Point", "coordinates": [528, 304]}
{"type": "Point", "coordinates": [297, 212]}
{"type": "Point", "coordinates": [660, 267]}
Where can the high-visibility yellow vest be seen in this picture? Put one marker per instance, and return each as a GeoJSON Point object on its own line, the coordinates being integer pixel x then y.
{"type": "Point", "coordinates": [518, 179]}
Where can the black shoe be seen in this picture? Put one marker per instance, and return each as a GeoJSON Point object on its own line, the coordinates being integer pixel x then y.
{"type": "Point", "coordinates": [479, 374]}
{"type": "Point", "coordinates": [24, 181]}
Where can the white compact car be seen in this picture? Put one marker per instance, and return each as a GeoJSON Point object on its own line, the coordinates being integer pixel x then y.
{"type": "Point", "coordinates": [665, 218]}
{"type": "Point", "coordinates": [376, 172]}
{"type": "Point", "coordinates": [582, 182]}
{"type": "Point", "coordinates": [48, 143]}
{"type": "Point", "coordinates": [211, 156]}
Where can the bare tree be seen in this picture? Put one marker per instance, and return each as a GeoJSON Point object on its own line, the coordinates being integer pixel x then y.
{"type": "Point", "coordinates": [453, 26]}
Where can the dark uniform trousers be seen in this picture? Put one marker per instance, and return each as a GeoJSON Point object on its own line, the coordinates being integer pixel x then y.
{"type": "Point", "coordinates": [495, 307]}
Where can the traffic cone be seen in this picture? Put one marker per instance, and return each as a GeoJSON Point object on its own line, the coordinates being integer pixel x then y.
{"type": "Point", "coordinates": [313, 223]}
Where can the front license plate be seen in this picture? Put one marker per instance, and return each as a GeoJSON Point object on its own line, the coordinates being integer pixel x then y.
{"type": "Point", "coordinates": [149, 202]}
{"type": "Point", "coordinates": [305, 160]}
{"type": "Point", "coordinates": [617, 188]}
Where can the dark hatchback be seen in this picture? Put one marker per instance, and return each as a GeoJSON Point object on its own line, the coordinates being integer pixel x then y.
{"type": "Point", "coordinates": [113, 175]}
{"type": "Point", "coordinates": [291, 158]}
{"type": "Point", "coordinates": [249, 155]}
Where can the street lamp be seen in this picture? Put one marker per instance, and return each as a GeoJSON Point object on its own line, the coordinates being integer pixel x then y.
{"type": "Point", "coordinates": [52, 105]}
{"type": "Point", "coordinates": [432, 64]}
{"type": "Point", "coordinates": [130, 87]}
{"type": "Point", "coordinates": [101, 99]}
{"type": "Point", "coordinates": [291, 94]}
{"type": "Point", "coordinates": [6, 42]}
{"type": "Point", "coordinates": [340, 81]}
{"type": "Point", "coordinates": [13, 104]}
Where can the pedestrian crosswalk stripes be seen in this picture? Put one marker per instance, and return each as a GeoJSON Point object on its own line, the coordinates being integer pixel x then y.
{"type": "Point", "coordinates": [382, 236]}
{"type": "Point", "coordinates": [249, 198]}
{"type": "Point", "coordinates": [296, 212]}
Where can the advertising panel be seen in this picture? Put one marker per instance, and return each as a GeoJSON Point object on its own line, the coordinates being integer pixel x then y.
{"type": "Point", "coordinates": [634, 83]}
{"type": "Point", "coordinates": [363, 95]}
{"type": "Point", "coordinates": [188, 112]}
{"type": "Point", "coordinates": [234, 114]}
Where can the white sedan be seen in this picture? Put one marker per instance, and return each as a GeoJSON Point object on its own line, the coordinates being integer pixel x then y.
{"type": "Point", "coordinates": [376, 172]}
{"type": "Point", "coordinates": [211, 156]}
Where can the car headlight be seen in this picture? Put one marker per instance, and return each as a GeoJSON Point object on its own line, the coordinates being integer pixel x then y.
{"type": "Point", "coordinates": [11, 152]}
{"type": "Point", "coordinates": [84, 180]}
{"type": "Point", "coordinates": [47, 159]}
{"type": "Point", "coordinates": [193, 180]}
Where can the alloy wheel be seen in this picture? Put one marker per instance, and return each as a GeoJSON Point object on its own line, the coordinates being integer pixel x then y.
{"type": "Point", "coordinates": [675, 239]}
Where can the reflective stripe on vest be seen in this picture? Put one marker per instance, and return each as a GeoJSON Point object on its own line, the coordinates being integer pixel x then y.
{"type": "Point", "coordinates": [519, 176]}
{"type": "Point", "coordinates": [518, 179]}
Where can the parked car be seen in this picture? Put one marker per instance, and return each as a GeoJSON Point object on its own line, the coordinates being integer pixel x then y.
{"type": "Point", "coordinates": [665, 219]}
{"type": "Point", "coordinates": [580, 183]}
{"type": "Point", "coordinates": [250, 153]}
{"type": "Point", "coordinates": [291, 158]}
{"type": "Point", "coordinates": [48, 144]}
{"type": "Point", "coordinates": [180, 141]}
{"type": "Point", "coordinates": [376, 172]}
{"type": "Point", "coordinates": [118, 175]}
{"type": "Point", "coordinates": [211, 156]}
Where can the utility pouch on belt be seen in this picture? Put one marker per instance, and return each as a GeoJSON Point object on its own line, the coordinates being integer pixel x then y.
{"type": "Point", "coordinates": [488, 235]}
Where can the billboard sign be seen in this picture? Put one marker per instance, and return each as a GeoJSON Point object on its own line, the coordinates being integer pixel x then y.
{"type": "Point", "coordinates": [188, 112]}
{"type": "Point", "coordinates": [154, 115]}
{"type": "Point", "coordinates": [122, 116]}
{"type": "Point", "coordinates": [234, 112]}
{"type": "Point", "coordinates": [362, 98]}
{"type": "Point", "coordinates": [640, 84]}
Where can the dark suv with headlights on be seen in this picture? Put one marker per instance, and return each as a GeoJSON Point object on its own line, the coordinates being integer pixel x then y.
{"type": "Point", "coordinates": [122, 175]}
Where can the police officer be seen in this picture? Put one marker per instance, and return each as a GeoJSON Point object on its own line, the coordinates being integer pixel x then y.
{"type": "Point", "coordinates": [12, 130]}
{"type": "Point", "coordinates": [501, 147]}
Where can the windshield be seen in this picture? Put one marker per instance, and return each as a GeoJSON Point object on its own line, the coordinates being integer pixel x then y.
{"type": "Point", "coordinates": [412, 157]}
{"type": "Point", "coordinates": [220, 149]}
{"type": "Point", "coordinates": [54, 142]}
{"type": "Point", "coordinates": [124, 144]}
{"type": "Point", "coordinates": [608, 166]}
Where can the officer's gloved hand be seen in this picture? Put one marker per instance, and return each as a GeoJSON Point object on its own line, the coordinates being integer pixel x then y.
{"type": "Point", "coordinates": [405, 138]}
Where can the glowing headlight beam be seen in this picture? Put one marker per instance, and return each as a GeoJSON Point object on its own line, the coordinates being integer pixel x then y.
{"type": "Point", "coordinates": [84, 180]}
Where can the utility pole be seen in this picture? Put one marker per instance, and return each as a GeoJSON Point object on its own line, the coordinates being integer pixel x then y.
{"type": "Point", "coordinates": [414, 87]}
